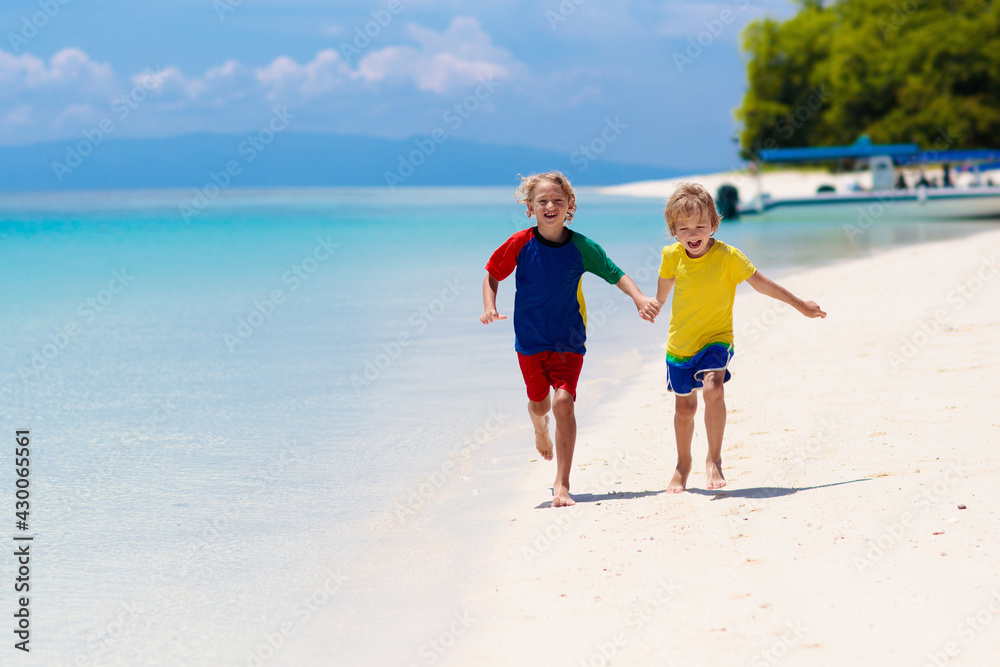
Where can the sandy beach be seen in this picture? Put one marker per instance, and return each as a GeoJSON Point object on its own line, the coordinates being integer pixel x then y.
{"type": "Point", "coordinates": [859, 525]}
{"type": "Point", "coordinates": [784, 182]}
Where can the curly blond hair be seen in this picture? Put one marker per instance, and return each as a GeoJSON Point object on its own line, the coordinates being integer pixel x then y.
{"type": "Point", "coordinates": [687, 200]}
{"type": "Point", "coordinates": [526, 191]}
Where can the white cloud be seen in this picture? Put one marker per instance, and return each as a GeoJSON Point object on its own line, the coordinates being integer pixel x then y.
{"type": "Point", "coordinates": [71, 93]}
{"type": "Point", "coordinates": [444, 61]}
{"type": "Point", "coordinates": [229, 82]}
{"type": "Point", "coordinates": [441, 62]}
{"type": "Point", "coordinates": [23, 115]}
{"type": "Point", "coordinates": [70, 72]}
{"type": "Point", "coordinates": [76, 115]}
{"type": "Point", "coordinates": [42, 100]}
{"type": "Point", "coordinates": [285, 78]}
{"type": "Point", "coordinates": [165, 82]}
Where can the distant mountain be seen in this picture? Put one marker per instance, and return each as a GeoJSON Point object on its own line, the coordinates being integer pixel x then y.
{"type": "Point", "coordinates": [286, 159]}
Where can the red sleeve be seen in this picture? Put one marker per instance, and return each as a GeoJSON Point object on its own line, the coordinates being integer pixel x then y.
{"type": "Point", "coordinates": [504, 260]}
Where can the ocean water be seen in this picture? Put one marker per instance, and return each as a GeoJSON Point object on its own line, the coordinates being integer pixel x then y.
{"type": "Point", "coordinates": [226, 407]}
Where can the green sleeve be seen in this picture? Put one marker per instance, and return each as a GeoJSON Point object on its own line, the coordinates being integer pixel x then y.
{"type": "Point", "coordinates": [596, 260]}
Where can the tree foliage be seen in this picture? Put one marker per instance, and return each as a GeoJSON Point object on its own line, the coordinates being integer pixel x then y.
{"type": "Point", "coordinates": [922, 71]}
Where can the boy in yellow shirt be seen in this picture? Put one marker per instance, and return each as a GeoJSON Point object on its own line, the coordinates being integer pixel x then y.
{"type": "Point", "coordinates": [704, 273]}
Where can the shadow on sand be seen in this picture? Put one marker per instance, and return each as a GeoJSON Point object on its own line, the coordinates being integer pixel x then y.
{"type": "Point", "coordinates": [757, 493]}
{"type": "Point", "coordinates": [600, 497]}
{"type": "Point", "coordinates": [761, 492]}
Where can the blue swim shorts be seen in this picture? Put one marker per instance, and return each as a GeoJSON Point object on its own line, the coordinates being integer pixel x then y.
{"type": "Point", "coordinates": [684, 374]}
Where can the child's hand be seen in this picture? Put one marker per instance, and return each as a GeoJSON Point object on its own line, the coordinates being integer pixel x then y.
{"type": "Point", "coordinates": [649, 308]}
{"type": "Point", "coordinates": [491, 316]}
{"type": "Point", "coordinates": [812, 309]}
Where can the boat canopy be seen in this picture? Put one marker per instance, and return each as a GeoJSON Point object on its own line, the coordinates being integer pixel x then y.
{"type": "Point", "coordinates": [972, 155]}
{"type": "Point", "coordinates": [864, 148]}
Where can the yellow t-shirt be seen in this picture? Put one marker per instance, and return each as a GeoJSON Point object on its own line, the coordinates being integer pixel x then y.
{"type": "Point", "coordinates": [704, 291]}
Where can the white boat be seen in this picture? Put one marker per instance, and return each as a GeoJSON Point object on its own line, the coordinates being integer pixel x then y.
{"type": "Point", "coordinates": [920, 204]}
{"type": "Point", "coordinates": [886, 199]}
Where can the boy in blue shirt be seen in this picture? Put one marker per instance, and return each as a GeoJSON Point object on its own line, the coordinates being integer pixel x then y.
{"type": "Point", "coordinates": [550, 316]}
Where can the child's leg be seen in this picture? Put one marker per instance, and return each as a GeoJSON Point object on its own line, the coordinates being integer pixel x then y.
{"type": "Point", "coordinates": [713, 394]}
{"type": "Point", "coordinates": [539, 413]}
{"type": "Point", "coordinates": [565, 414]}
{"type": "Point", "coordinates": [685, 408]}
{"type": "Point", "coordinates": [537, 384]}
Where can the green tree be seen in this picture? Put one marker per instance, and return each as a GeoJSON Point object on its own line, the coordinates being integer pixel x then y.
{"type": "Point", "coordinates": [922, 71]}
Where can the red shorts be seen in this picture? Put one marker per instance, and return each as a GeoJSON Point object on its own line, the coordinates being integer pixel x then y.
{"type": "Point", "coordinates": [559, 370]}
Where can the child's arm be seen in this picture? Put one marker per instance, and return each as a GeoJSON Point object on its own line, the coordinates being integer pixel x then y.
{"type": "Point", "coordinates": [768, 287]}
{"type": "Point", "coordinates": [490, 314]}
{"type": "Point", "coordinates": [663, 287]}
{"type": "Point", "coordinates": [648, 308]}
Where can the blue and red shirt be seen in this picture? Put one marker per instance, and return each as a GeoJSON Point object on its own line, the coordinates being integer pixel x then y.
{"type": "Point", "coordinates": [549, 310]}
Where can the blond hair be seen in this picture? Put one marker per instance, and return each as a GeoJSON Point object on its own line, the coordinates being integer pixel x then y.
{"type": "Point", "coordinates": [687, 200]}
{"type": "Point", "coordinates": [526, 191]}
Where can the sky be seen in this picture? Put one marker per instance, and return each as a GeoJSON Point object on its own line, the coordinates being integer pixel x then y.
{"type": "Point", "coordinates": [646, 83]}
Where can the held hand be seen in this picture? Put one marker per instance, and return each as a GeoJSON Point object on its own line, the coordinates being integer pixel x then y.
{"type": "Point", "coordinates": [648, 308]}
{"type": "Point", "coordinates": [812, 309]}
{"type": "Point", "coordinates": [491, 316]}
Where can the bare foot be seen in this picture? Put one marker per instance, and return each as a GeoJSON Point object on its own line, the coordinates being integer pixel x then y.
{"type": "Point", "coordinates": [678, 483]}
{"type": "Point", "coordinates": [715, 478]}
{"type": "Point", "coordinates": [543, 442]}
{"type": "Point", "coordinates": [560, 497]}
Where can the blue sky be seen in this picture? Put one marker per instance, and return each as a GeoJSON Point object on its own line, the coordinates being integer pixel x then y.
{"type": "Point", "coordinates": [553, 74]}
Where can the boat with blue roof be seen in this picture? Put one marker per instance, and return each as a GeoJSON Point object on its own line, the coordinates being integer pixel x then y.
{"type": "Point", "coordinates": [890, 194]}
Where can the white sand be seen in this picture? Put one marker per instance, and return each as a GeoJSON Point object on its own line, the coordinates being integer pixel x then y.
{"type": "Point", "coordinates": [851, 443]}
{"type": "Point", "coordinates": [779, 183]}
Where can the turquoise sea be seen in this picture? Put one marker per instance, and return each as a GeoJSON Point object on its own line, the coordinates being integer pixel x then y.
{"type": "Point", "coordinates": [226, 410]}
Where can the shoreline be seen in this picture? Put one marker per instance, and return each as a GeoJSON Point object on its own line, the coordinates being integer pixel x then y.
{"type": "Point", "coordinates": [780, 183]}
{"type": "Point", "coordinates": [816, 495]}
{"type": "Point", "coordinates": [846, 468]}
